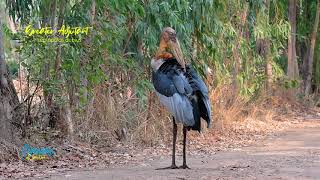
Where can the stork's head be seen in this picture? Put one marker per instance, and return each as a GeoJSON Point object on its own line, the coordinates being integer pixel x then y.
{"type": "Point", "coordinates": [169, 41]}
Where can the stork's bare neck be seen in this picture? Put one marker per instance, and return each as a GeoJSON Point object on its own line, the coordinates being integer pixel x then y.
{"type": "Point", "coordinates": [156, 63]}
{"type": "Point", "coordinates": [169, 42]}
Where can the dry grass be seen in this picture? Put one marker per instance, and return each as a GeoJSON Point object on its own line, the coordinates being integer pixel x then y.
{"type": "Point", "coordinates": [113, 118]}
{"type": "Point", "coordinates": [226, 107]}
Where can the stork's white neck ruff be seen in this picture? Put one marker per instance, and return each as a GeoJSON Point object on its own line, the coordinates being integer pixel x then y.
{"type": "Point", "coordinates": [155, 64]}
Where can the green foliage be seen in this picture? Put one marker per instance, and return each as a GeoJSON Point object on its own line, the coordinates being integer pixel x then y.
{"type": "Point", "coordinates": [13, 68]}
{"type": "Point", "coordinates": [288, 83]}
{"type": "Point", "coordinates": [126, 35]}
{"type": "Point", "coordinates": [317, 67]}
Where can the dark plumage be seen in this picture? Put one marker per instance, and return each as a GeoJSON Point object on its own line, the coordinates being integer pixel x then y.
{"type": "Point", "coordinates": [170, 80]}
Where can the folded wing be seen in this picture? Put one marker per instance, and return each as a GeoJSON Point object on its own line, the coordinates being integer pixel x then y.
{"type": "Point", "coordinates": [184, 94]}
{"type": "Point", "coordinates": [173, 90]}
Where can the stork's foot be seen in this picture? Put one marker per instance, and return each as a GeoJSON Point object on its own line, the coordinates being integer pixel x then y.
{"type": "Point", "coordinates": [184, 167]}
{"type": "Point", "coordinates": [173, 166]}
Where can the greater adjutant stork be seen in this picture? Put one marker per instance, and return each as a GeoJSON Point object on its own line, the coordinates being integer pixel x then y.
{"type": "Point", "coordinates": [180, 89]}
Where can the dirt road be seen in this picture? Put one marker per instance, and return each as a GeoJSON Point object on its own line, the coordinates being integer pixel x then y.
{"type": "Point", "coordinates": [294, 154]}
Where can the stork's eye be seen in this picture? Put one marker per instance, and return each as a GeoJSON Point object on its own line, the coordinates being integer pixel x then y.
{"type": "Point", "coordinates": [170, 33]}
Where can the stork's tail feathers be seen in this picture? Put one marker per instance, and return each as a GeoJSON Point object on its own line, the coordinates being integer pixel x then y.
{"type": "Point", "coordinates": [200, 106]}
{"type": "Point", "coordinates": [196, 114]}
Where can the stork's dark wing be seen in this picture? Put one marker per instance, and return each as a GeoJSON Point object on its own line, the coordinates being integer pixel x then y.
{"type": "Point", "coordinates": [184, 94]}
{"type": "Point", "coordinates": [173, 90]}
{"type": "Point", "coordinates": [204, 102]}
{"type": "Point", "coordinates": [169, 83]}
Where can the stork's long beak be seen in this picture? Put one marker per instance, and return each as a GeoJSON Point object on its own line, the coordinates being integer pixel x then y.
{"type": "Point", "coordinates": [174, 45]}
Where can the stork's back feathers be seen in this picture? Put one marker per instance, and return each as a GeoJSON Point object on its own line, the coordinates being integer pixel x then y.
{"type": "Point", "coordinates": [183, 93]}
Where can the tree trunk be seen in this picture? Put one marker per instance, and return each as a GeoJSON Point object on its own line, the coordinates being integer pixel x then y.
{"type": "Point", "coordinates": [307, 88]}
{"type": "Point", "coordinates": [64, 112]}
{"type": "Point", "coordinates": [57, 64]}
{"type": "Point", "coordinates": [317, 75]}
{"type": "Point", "coordinates": [263, 48]}
{"type": "Point", "coordinates": [292, 69]}
{"type": "Point", "coordinates": [8, 98]}
{"type": "Point", "coordinates": [269, 73]}
{"type": "Point", "coordinates": [84, 59]}
{"type": "Point", "coordinates": [46, 69]}
{"type": "Point", "coordinates": [267, 50]}
{"type": "Point", "coordinates": [235, 50]}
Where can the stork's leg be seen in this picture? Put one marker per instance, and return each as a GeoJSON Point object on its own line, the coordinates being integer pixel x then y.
{"type": "Point", "coordinates": [174, 132]}
{"type": "Point", "coordinates": [184, 165]}
{"type": "Point", "coordinates": [174, 140]}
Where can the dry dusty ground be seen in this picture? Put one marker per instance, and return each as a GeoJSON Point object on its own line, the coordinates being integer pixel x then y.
{"type": "Point", "coordinates": [293, 154]}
